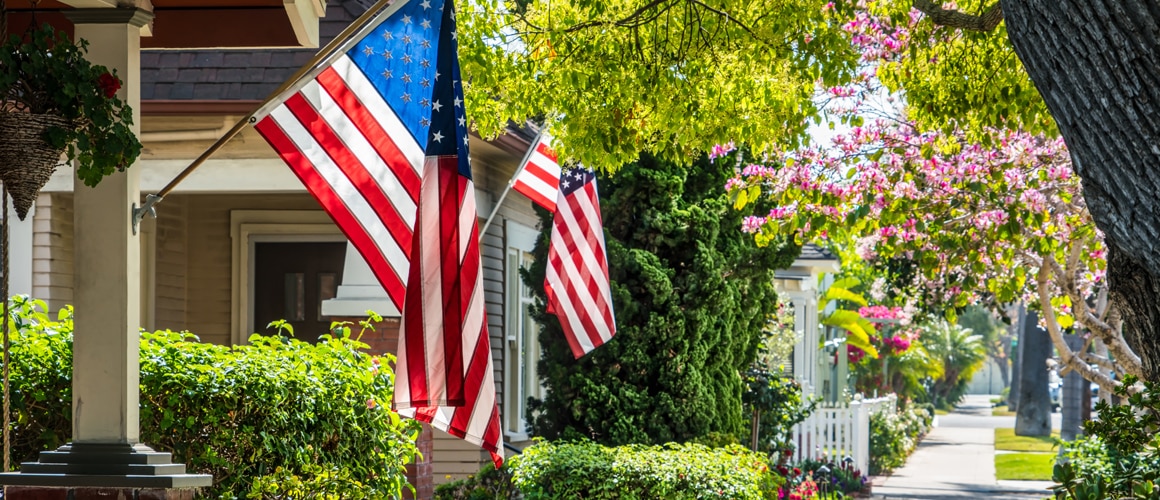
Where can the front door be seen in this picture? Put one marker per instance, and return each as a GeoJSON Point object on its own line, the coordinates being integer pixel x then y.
{"type": "Point", "coordinates": [291, 280]}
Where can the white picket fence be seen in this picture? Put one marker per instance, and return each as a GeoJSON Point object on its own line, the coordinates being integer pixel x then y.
{"type": "Point", "coordinates": [836, 431]}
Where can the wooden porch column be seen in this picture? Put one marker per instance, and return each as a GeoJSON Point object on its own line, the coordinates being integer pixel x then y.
{"type": "Point", "coordinates": [105, 458]}
{"type": "Point", "coordinates": [107, 280]}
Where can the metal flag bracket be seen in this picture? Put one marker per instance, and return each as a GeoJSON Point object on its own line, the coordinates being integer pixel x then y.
{"type": "Point", "coordinates": [146, 208]}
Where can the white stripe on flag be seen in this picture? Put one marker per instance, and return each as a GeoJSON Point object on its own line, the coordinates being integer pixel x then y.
{"type": "Point", "coordinates": [350, 195]}
{"type": "Point", "coordinates": [369, 96]}
{"type": "Point", "coordinates": [431, 283]}
{"type": "Point", "coordinates": [357, 143]}
{"type": "Point", "coordinates": [566, 312]}
{"type": "Point", "coordinates": [586, 250]}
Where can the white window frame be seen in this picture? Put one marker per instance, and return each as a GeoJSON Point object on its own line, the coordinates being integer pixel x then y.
{"type": "Point", "coordinates": [521, 347]}
{"type": "Point", "coordinates": [248, 227]}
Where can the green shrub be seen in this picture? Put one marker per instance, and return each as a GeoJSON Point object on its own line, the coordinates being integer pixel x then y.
{"type": "Point", "coordinates": [1121, 456]}
{"type": "Point", "coordinates": [673, 471]}
{"type": "Point", "coordinates": [893, 436]}
{"type": "Point", "coordinates": [275, 418]}
{"type": "Point", "coordinates": [489, 484]}
{"type": "Point", "coordinates": [692, 293]}
{"type": "Point", "coordinates": [776, 398]}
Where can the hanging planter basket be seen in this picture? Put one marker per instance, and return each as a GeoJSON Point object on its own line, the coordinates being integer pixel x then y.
{"type": "Point", "coordinates": [26, 160]}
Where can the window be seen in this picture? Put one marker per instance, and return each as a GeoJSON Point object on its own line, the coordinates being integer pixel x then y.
{"type": "Point", "coordinates": [522, 350]}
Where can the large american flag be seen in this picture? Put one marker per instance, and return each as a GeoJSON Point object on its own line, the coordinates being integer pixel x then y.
{"type": "Point", "coordinates": [577, 272]}
{"type": "Point", "coordinates": [539, 176]}
{"type": "Point", "coordinates": [378, 135]}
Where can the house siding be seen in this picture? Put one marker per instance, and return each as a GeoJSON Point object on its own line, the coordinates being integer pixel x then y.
{"type": "Point", "coordinates": [52, 250]}
{"type": "Point", "coordinates": [171, 271]}
{"type": "Point", "coordinates": [209, 281]}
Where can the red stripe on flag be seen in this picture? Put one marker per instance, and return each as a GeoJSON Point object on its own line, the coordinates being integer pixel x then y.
{"type": "Point", "coordinates": [333, 206]}
{"type": "Point", "coordinates": [352, 167]}
{"type": "Point", "coordinates": [573, 295]}
{"type": "Point", "coordinates": [542, 148]}
{"type": "Point", "coordinates": [474, 378]}
{"type": "Point", "coordinates": [541, 200]}
{"type": "Point", "coordinates": [371, 129]}
{"type": "Point", "coordinates": [542, 173]}
{"type": "Point", "coordinates": [454, 310]}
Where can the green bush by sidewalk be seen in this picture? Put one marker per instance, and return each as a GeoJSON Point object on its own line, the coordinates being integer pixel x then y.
{"type": "Point", "coordinates": [894, 436]}
{"type": "Point", "coordinates": [278, 418]}
{"type": "Point", "coordinates": [592, 471]}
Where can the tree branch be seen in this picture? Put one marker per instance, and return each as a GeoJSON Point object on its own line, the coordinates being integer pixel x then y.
{"type": "Point", "coordinates": [952, 18]}
{"type": "Point", "coordinates": [1111, 337]}
{"type": "Point", "coordinates": [1066, 356]}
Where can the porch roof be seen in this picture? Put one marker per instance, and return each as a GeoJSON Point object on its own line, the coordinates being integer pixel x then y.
{"type": "Point", "coordinates": [196, 23]}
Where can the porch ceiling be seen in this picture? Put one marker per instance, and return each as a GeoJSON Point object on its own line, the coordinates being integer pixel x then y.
{"type": "Point", "coordinates": [191, 24]}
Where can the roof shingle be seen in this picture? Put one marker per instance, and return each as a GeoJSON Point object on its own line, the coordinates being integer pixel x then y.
{"type": "Point", "coordinates": [235, 74]}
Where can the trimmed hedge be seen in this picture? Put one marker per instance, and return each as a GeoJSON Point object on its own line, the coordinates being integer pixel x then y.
{"type": "Point", "coordinates": [592, 471]}
{"type": "Point", "coordinates": [276, 418]}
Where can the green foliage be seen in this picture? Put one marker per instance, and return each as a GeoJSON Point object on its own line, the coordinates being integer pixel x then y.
{"type": "Point", "coordinates": [776, 398]}
{"type": "Point", "coordinates": [606, 72]}
{"type": "Point", "coordinates": [960, 353]}
{"type": "Point", "coordinates": [1119, 458]}
{"type": "Point", "coordinates": [277, 418]}
{"type": "Point", "coordinates": [959, 78]}
{"type": "Point", "coordinates": [893, 436]}
{"type": "Point", "coordinates": [843, 477]}
{"type": "Point", "coordinates": [678, 471]}
{"type": "Point", "coordinates": [489, 484]}
{"type": "Point", "coordinates": [692, 295]}
{"type": "Point", "coordinates": [993, 333]}
{"type": "Point", "coordinates": [45, 73]}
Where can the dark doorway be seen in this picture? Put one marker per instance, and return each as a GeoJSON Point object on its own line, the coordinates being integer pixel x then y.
{"type": "Point", "coordinates": [291, 280]}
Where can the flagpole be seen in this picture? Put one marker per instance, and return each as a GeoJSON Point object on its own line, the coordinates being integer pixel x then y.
{"type": "Point", "coordinates": [325, 53]}
{"type": "Point", "coordinates": [512, 182]}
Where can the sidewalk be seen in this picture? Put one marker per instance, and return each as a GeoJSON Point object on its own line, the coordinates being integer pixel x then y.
{"type": "Point", "coordinates": [957, 460]}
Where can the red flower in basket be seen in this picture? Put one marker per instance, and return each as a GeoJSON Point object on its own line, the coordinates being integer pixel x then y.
{"type": "Point", "coordinates": [109, 84]}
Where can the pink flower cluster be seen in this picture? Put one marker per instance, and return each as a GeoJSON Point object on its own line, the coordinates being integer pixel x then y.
{"type": "Point", "coordinates": [880, 312]}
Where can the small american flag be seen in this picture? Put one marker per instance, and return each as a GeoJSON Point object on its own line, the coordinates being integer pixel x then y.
{"type": "Point", "coordinates": [577, 276]}
{"type": "Point", "coordinates": [379, 137]}
{"type": "Point", "coordinates": [539, 178]}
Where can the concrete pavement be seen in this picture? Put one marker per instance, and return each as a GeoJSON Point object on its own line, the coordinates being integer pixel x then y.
{"type": "Point", "coordinates": [957, 460]}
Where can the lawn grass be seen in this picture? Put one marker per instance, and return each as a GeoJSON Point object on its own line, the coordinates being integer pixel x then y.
{"type": "Point", "coordinates": [1024, 466]}
{"type": "Point", "coordinates": [1005, 439]}
{"type": "Point", "coordinates": [1001, 411]}
{"type": "Point", "coordinates": [941, 412]}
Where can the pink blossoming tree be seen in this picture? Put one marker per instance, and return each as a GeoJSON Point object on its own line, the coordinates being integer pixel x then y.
{"type": "Point", "coordinates": [993, 214]}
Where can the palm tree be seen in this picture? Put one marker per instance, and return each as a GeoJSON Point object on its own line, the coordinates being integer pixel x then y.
{"type": "Point", "coordinates": [961, 354]}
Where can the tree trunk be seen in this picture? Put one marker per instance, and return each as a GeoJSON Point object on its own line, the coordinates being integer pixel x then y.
{"type": "Point", "coordinates": [1016, 357]}
{"type": "Point", "coordinates": [1072, 400]}
{"type": "Point", "coordinates": [1033, 418]}
{"type": "Point", "coordinates": [1097, 65]}
{"type": "Point", "coordinates": [1004, 364]}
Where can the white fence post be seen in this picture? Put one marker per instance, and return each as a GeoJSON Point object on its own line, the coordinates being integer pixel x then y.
{"type": "Point", "coordinates": [862, 452]}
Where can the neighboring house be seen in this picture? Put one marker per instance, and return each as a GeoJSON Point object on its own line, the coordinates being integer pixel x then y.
{"type": "Point", "coordinates": [240, 242]}
{"type": "Point", "coordinates": [840, 426]}
{"type": "Point", "coordinates": [802, 284]}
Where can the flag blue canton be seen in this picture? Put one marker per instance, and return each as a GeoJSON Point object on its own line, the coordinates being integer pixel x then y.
{"type": "Point", "coordinates": [448, 134]}
{"type": "Point", "coordinates": [399, 59]}
{"type": "Point", "coordinates": [575, 179]}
